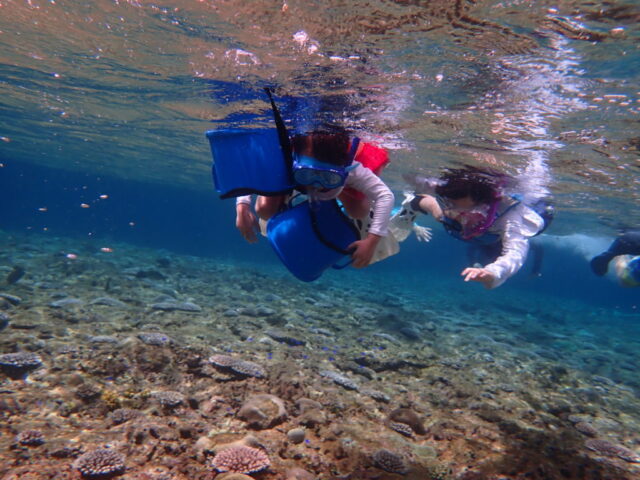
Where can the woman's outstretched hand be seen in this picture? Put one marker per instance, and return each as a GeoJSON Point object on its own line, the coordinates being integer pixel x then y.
{"type": "Point", "coordinates": [481, 275]}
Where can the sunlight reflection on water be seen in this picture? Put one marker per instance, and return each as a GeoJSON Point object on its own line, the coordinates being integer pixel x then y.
{"type": "Point", "coordinates": [129, 88]}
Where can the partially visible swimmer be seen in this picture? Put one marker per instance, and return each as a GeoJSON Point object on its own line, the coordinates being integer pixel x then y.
{"type": "Point", "coordinates": [625, 253]}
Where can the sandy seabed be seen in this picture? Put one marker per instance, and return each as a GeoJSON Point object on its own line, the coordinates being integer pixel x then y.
{"type": "Point", "coordinates": [133, 363]}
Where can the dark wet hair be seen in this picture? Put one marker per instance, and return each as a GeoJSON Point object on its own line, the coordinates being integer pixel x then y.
{"type": "Point", "coordinates": [330, 146]}
{"type": "Point", "coordinates": [482, 186]}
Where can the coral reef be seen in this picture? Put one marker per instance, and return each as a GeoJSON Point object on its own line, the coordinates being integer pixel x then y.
{"type": "Point", "coordinates": [240, 459]}
{"type": "Point", "coordinates": [100, 463]}
{"type": "Point", "coordinates": [122, 415]}
{"type": "Point", "coordinates": [340, 380]}
{"type": "Point", "coordinates": [155, 338]}
{"type": "Point", "coordinates": [31, 438]}
{"type": "Point", "coordinates": [235, 365]}
{"type": "Point", "coordinates": [169, 399]}
{"type": "Point", "coordinates": [401, 428]}
{"type": "Point", "coordinates": [18, 365]}
{"type": "Point", "coordinates": [215, 369]}
{"type": "Point", "coordinates": [604, 447]}
{"type": "Point", "coordinates": [408, 417]}
{"type": "Point", "coordinates": [390, 462]}
{"type": "Point", "coordinates": [88, 391]}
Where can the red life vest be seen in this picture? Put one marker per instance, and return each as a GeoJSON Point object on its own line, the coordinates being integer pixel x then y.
{"type": "Point", "coordinates": [372, 157]}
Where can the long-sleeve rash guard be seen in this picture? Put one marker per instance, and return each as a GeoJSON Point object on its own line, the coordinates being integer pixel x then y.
{"type": "Point", "coordinates": [515, 227]}
{"type": "Point", "coordinates": [363, 180]}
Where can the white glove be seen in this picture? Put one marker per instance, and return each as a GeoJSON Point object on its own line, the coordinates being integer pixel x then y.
{"type": "Point", "coordinates": [401, 223]}
{"type": "Point", "coordinates": [423, 234]}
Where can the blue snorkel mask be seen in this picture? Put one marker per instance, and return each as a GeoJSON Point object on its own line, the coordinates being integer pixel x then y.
{"type": "Point", "coordinates": [311, 172]}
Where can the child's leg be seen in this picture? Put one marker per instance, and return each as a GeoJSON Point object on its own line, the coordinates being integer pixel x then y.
{"type": "Point", "coordinates": [267, 207]}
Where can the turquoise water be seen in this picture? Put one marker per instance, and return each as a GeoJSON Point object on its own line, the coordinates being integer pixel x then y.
{"type": "Point", "coordinates": [104, 162]}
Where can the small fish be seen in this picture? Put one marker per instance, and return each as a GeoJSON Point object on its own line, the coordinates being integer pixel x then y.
{"type": "Point", "coordinates": [14, 275]}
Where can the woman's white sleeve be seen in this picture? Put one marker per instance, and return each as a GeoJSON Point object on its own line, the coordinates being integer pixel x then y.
{"type": "Point", "coordinates": [515, 248]}
{"type": "Point", "coordinates": [517, 227]}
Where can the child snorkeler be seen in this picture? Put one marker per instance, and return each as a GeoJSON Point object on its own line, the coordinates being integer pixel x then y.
{"type": "Point", "coordinates": [326, 166]}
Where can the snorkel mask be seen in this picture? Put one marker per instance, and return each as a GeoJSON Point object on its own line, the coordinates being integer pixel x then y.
{"type": "Point", "coordinates": [311, 172]}
{"type": "Point", "coordinates": [475, 221]}
{"type": "Point", "coordinates": [485, 189]}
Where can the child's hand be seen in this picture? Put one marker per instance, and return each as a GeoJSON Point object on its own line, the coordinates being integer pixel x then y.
{"type": "Point", "coordinates": [247, 223]}
{"type": "Point", "coordinates": [364, 250]}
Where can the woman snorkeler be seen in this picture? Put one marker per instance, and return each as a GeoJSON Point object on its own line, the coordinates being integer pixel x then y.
{"type": "Point", "coordinates": [473, 206]}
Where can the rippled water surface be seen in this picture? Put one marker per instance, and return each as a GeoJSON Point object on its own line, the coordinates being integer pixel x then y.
{"type": "Point", "coordinates": [126, 88]}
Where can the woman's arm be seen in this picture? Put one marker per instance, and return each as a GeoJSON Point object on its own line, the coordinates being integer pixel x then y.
{"type": "Point", "coordinates": [515, 248]}
{"type": "Point", "coordinates": [516, 226]}
{"type": "Point", "coordinates": [429, 204]}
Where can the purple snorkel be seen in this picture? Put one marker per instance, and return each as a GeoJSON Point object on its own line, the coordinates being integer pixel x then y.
{"type": "Point", "coordinates": [489, 218]}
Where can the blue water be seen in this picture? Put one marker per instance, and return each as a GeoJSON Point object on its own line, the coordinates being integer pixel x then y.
{"type": "Point", "coordinates": [200, 224]}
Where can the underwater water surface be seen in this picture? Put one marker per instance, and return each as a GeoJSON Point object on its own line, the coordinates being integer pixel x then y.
{"type": "Point", "coordinates": [145, 337]}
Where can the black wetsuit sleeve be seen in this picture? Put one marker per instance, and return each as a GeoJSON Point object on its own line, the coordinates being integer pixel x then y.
{"type": "Point", "coordinates": [627, 244]}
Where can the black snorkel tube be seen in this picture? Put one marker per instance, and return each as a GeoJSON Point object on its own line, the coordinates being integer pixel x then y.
{"type": "Point", "coordinates": [285, 145]}
{"type": "Point", "coordinates": [283, 135]}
